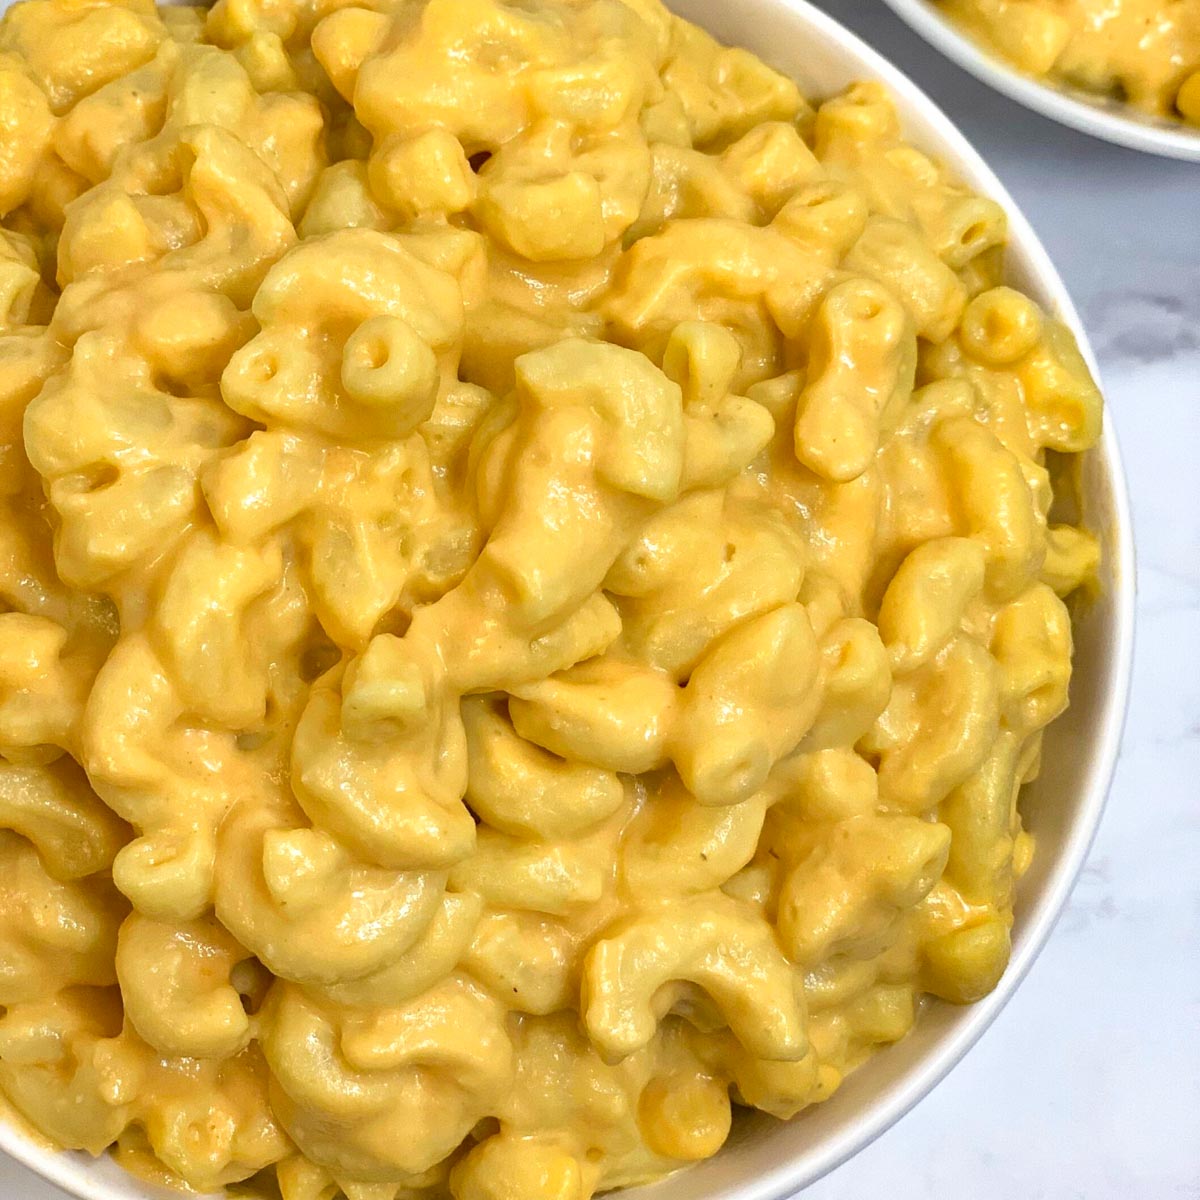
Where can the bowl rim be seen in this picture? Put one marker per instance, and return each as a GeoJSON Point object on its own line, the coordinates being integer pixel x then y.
{"type": "Point", "coordinates": [1119, 125]}
{"type": "Point", "coordinates": [88, 1179]}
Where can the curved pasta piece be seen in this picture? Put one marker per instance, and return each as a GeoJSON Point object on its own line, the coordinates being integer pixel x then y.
{"type": "Point", "coordinates": [896, 255]}
{"type": "Point", "coordinates": [748, 703]}
{"type": "Point", "coordinates": [536, 580]}
{"type": "Point", "coordinates": [862, 361]}
{"type": "Point", "coordinates": [1000, 326]}
{"type": "Point", "coordinates": [982, 817]}
{"type": "Point", "coordinates": [1063, 403]}
{"type": "Point", "coordinates": [614, 715]}
{"type": "Point", "coordinates": [554, 877]}
{"type": "Point", "coordinates": [144, 763]}
{"type": "Point", "coordinates": [927, 598]}
{"type": "Point", "coordinates": [527, 959]}
{"type": "Point", "coordinates": [826, 217]}
{"type": "Point", "coordinates": [1032, 644]}
{"type": "Point", "coordinates": [824, 785]}
{"type": "Point", "coordinates": [723, 443]}
{"type": "Point", "coordinates": [344, 40]}
{"type": "Point", "coordinates": [844, 892]}
{"type": "Point", "coordinates": [42, 691]}
{"type": "Point", "coordinates": [779, 1088]}
{"type": "Point", "coordinates": [725, 91]}
{"type": "Point", "coordinates": [120, 507]}
{"type": "Point", "coordinates": [961, 227]}
{"type": "Point", "coordinates": [51, 1052]}
{"type": "Point", "coordinates": [394, 1092]}
{"type": "Point", "coordinates": [432, 957]}
{"type": "Point", "coordinates": [937, 401]}
{"type": "Point", "coordinates": [652, 562]}
{"type": "Point", "coordinates": [33, 127]}
{"type": "Point", "coordinates": [449, 1030]}
{"type": "Point", "coordinates": [724, 947]}
{"type": "Point", "coordinates": [344, 506]}
{"type": "Point", "coordinates": [634, 414]}
{"type": "Point", "coordinates": [201, 622]}
{"type": "Point", "coordinates": [995, 502]}
{"type": "Point", "coordinates": [231, 205]}
{"type": "Point", "coordinates": [520, 789]}
{"type": "Point", "coordinates": [772, 162]}
{"type": "Point", "coordinates": [697, 569]}
{"type": "Point", "coordinates": [685, 1115]}
{"type": "Point", "coordinates": [266, 481]}
{"type": "Point", "coordinates": [857, 684]}
{"type": "Point", "coordinates": [125, 111]}
{"type": "Point", "coordinates": [847, 523]}
{"type": "Point", "coordinates": [937, 727]}
{"type": "Point", "coordinates": [378, 382]}
{"type": "Point", "coordinates": [688, 183]}
{"type": "Point", "coordinates": [70, 53]}
{"type": "Point", "coordinates": [176, 990]}
{"type": "Point", "coordinates": [674, 846]}
{"type": "Point", "coordinates": [381, 762]}
{"type": "Point", "coordinates": [1072, 558]}
{"type": "Point", "coordinates": [342, 199]}
{"type": "Point", "coordinates": [518, 1166]}
{"type": "Point", "coordinates": [724, 433]}
{"type": "Point", "coordinates": [55, 934]}
{"type": "Point", "coordinates": [211, 1122]}
{"type": "Point", "coordinates": [422, 175]}
{"type": "Point", "coordinates": [756, 282]}
{"type": "Point", "coordinates": [298, 900]}
{"type": "Point", "coordinates": [75, 833]}
{"type": "Point", "coordinates": [965, 964]}
{"type": "Point", "coordinates": [548, 199]}
{"type": "Point", "coordinates": [503, 658]}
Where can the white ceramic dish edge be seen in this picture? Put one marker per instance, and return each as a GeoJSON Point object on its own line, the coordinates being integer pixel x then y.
{"type": "Point", "coordinates": [1128, 127]}
{"type": "Point", "coordinates": [768, 1160]}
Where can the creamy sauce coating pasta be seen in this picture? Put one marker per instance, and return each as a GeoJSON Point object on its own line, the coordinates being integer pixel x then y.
{"type": "Point", "coordinates": [528, 590]}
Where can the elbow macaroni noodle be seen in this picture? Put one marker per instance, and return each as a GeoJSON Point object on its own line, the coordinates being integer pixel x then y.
{"type": "Point", "coordinates": [529, 589]}
{"type": "Point", "coordinates": [1145, 53]}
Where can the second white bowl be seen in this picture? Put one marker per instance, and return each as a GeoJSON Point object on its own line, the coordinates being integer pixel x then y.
{"type": "Point", "coordinates": [1105, 119]}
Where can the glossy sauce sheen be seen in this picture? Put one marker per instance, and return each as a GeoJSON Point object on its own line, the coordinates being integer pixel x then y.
{"type": "Point", "coordinates": [528, 590]}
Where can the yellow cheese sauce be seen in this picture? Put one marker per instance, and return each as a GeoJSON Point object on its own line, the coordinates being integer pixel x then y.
{"type": "Point", "coordinates": [527, 593]}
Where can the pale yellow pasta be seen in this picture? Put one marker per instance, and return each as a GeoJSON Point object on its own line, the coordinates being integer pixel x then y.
{"type": "Point", "coordinates": [1145, 53]}
{"type": "Point", "coordinates": [527, 590]}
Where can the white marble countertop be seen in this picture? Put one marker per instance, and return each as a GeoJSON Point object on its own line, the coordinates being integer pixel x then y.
{"type": "Point", "coordinates": [1088, 1085]}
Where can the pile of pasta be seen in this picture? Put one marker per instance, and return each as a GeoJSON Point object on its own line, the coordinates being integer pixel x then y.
{"type": "Point", "coordinates": [528, 589]}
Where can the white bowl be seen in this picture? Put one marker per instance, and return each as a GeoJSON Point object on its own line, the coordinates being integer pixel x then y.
{"type": "Point", "coordinates": [1105, 119]}
{"type": "Point", "coordinates": [766, 1159]}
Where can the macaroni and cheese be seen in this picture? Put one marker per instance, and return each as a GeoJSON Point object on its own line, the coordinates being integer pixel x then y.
{"type": "Point", "coordinates": [1145, 53]}
{"type": "Point", "coordinates": [531, 585]}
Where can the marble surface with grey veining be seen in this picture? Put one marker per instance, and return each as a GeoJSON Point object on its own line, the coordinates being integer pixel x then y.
{"type": "Point", "coordinates": [1088, 1085]}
